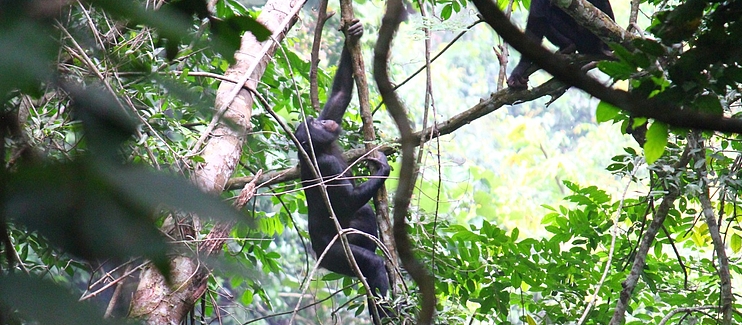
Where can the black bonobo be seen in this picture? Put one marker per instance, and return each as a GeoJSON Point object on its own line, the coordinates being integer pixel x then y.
{"type": "Point", "coordinates": [349, 200]}
{"type": "Point", "coordinates": [545, 19]}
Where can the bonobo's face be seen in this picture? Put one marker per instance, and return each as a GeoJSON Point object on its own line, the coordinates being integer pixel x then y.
{"type": "Point", "coordinates": [322, 132]}
{"type": "Point", "coordinates": [327, 125]}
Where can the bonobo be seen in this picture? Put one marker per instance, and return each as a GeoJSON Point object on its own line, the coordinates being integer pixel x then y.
{"type": "Point", "coordinates": [349, 200]}
{"type": "Point", "coordinates": [545, 19]}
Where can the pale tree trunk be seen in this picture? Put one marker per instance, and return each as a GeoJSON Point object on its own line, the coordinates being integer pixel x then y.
{"type": "Point", "coordinates": [154, 300]}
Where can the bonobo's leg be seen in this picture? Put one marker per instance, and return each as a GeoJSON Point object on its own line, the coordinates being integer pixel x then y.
{"type": "Point", "coordinates": [364, 220]}
{"type": "Point", "coordinates": [604, 6]}
{"type": "Point", "coordinates": [342, 85]}
{"type": "Point", "coordinates": [371, 265]}
{"type": "Point", "coordinates": [535, 30]}
{"type": "Point", "coordinates": [556, 35]}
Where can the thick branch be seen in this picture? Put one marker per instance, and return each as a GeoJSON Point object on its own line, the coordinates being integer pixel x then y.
{"type": "Point", "coordinates": [596, 21]}
{"type": "Point", "coordinates": [496, 100]}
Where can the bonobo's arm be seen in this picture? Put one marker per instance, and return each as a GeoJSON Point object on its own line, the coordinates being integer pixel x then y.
{"type": "Point", "coordinates": [342, 85]}
{"type": "Point", "coordinates": [364, 192]}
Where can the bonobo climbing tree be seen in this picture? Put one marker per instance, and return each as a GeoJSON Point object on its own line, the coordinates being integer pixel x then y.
{"type": "Point", "coordinates": [349, 201]}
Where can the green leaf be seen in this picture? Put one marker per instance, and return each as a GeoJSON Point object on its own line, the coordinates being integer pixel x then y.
{"type": "Point", "coordinates": [456, 6]}
{"type": "Point", "coordinates": [154, 189]}
{"type": "Point", "coordinates": [247, 298]}
{"type": "Point", "coordinates": [624, 55]}
{"type": "Point", "coordinates": [649, 46]}
{"type": "Point", "coordinates": [615, 167]}
{"type": "Point", "coordinates": [249, 24]}
{"type": "Point", "coordinates": [638, 121]}
{"type": "Point", "coordinates": [515, 280]}
{"type": "Point", "coordinates": [24, 43]}
{"type": "Point", "coordinates": [618, 70]}
{"type": "Point", "coordinates": [736, 243]}
{"type": "Point", "coordinates": [514, 234]}
{"type": "Point", "coordinates": [606, 112]}
{"type": "Point", "coordinates": [446, 11]}
{"type": "Point", "coordinates": [656, 141]}
{"type": "Point", "coordinates": [77, 210]}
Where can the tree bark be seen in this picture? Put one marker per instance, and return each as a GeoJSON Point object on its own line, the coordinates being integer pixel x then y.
{"type": "Point", "coordinates": [155, 300]}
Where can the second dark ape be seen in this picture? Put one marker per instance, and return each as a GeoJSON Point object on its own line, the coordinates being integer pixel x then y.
{"type": "Point", "coordinates": [550, 21]}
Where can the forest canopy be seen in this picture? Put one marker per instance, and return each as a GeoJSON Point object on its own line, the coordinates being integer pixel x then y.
{"type": "Point", "coordinates": [150, 167]}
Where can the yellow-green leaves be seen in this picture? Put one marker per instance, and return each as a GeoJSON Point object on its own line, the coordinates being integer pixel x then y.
{"type": "Point", "coordinates": [606, 112]}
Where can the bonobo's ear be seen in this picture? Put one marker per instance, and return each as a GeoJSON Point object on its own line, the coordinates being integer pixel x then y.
{"type": "Point", "coordinates": [301, 132]}
{"type": "Point", "coordinates": [300, 128]}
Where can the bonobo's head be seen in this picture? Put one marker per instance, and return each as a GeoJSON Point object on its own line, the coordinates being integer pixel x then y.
{"type": "Point", "coordinates": [322, 132]}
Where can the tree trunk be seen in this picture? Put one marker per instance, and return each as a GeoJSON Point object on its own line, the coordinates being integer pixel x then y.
{"type": "Point", "coordinates": [155, 300]}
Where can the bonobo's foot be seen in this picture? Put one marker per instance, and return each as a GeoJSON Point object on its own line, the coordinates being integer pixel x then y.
{"type": "Point", "coordinates": [517, 82]}
{"type": "Point", "coordinates": [568, 49]}
{"type": "Point", "coordinates": [608, 54]}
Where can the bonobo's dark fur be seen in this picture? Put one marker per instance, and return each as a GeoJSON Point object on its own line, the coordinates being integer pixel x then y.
{"type": "Point", "coordinates": [349, 200]}
{"type": "Point", "coordinates": [545, 19]}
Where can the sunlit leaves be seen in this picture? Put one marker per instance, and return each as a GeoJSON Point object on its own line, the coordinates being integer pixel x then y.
{"type": "Point", "coordinates": [606, 112]}
{"type": "Point", "coordinates": [735, 242]}
{"type": "Point", "coordinates": [451, 6]}
{"type": "Point", "coordinates": [529, 262]}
